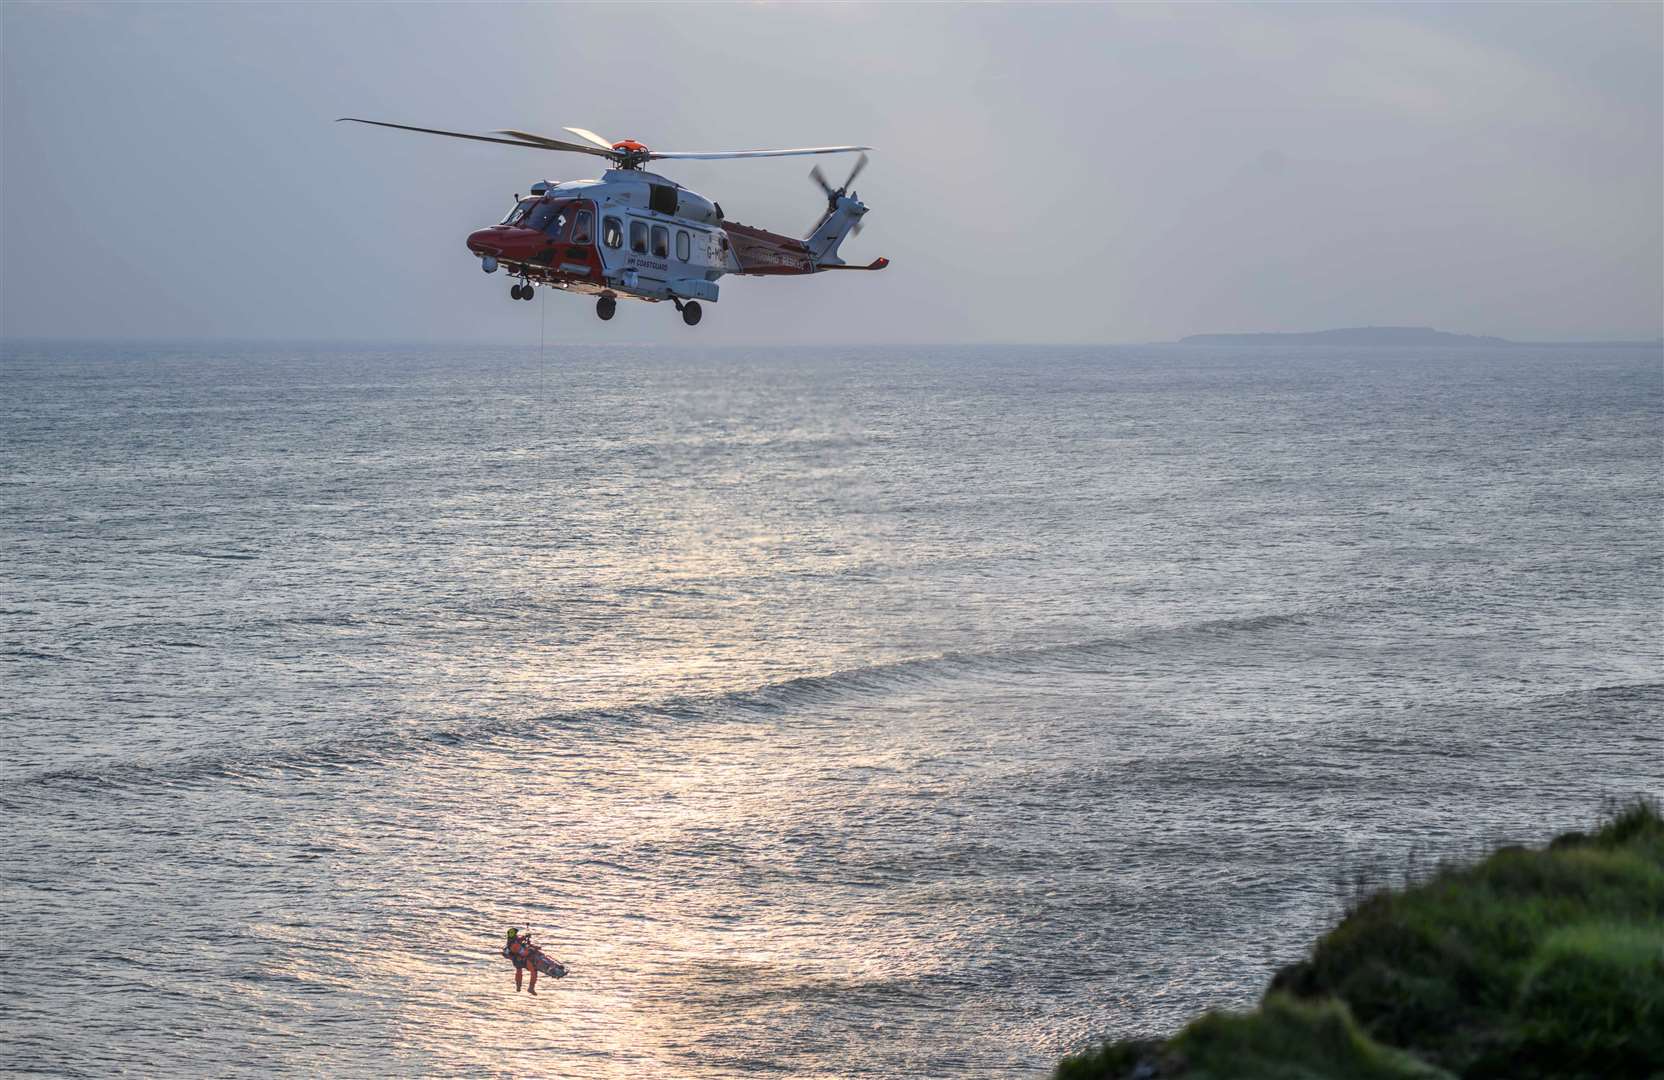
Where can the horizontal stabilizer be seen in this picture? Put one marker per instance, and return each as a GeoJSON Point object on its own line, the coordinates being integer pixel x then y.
{"type": "Point", "coordinates": [876, 264]}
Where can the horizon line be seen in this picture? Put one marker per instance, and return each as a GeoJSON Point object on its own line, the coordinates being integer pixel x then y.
{"type": "Point", "coordinates": [209, 339]}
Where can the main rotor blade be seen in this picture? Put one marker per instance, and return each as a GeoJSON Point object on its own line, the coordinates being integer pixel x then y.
{"type": "Point", "coordinates": [584, 133]}
{"type": "Point", "coordinates": [560, 144]}
{"type": "Point", "coordinates": [533, 143]}
{"type": "Point", "coordinates": [681, 155]}
{"type": "Point", "coordinates": [436, 131]}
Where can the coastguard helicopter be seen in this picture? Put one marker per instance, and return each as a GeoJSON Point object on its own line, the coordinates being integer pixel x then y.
{"type": "Point", "coordinates": [635, 234]}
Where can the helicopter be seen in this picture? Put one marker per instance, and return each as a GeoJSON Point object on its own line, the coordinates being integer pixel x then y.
{"type": "Point", "coordinates": [635, 234]}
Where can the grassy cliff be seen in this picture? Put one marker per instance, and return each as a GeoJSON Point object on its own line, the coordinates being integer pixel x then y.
{"type": "Point", "coordinates": [1533, 963]}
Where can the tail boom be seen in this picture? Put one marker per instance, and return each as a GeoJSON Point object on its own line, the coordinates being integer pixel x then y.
{"type": "Point", "coordinates": [760, 252]}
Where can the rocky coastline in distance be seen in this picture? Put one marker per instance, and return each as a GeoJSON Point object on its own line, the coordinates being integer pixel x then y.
{"type": "Point", "coordinates": [1393, 335]}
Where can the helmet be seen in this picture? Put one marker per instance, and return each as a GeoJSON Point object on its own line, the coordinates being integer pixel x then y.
{"type": "Point", "coordinates": [513, 932]}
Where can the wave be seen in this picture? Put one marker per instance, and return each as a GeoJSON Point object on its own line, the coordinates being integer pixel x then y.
{"type": "Point", "coordinates": [379, 747]}
{"type": "Point", "coordinates": [1061, 657]}
{"type": "Point", "coordinates": [1636, 691]}
{"type": "Point", "coordinates": [20, 655]}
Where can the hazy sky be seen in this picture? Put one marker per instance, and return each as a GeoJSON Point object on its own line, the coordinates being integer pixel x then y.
{"type": "Point", "coordinates": [1044, 173]}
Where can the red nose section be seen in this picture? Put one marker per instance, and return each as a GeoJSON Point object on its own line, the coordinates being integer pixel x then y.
{"type": "Point", "coordinates": [506, 242]}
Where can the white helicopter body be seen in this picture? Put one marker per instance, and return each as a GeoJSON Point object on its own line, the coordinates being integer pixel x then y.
{"type": "Point", "coordinates": [641, 236]}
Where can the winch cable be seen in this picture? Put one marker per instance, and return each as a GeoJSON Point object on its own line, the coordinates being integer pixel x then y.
{"type": "Point", "coordinates": [542, 359]}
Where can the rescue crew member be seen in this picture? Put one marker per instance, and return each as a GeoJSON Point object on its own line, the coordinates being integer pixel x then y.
{"type": "Point", "coordinates": [519, 952]}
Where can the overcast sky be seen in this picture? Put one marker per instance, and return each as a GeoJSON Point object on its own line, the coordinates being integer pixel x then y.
{"type": "Point", "coordinates": [1044, 173]}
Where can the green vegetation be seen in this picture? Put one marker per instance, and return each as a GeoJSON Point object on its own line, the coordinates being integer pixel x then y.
{"type": "Point", "coordinates": [1532, 963]}
{"type": "Point", "coordinates": [1285, 1039]}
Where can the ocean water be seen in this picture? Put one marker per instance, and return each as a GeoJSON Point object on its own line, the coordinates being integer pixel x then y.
{"type": "Point", "coordinates": [830, 713]}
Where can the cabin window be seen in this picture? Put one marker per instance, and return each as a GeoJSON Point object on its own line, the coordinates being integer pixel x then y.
{"type": "Point", "coordinates": [684, 245]}
{"type": "Point", "coordinates": [638, 237]}
{"type": "Point", "coordinates": [581, 227]}
{"type": "Point", "coordinates": [612, 232]}
{"type": "Point", "coordinates": [661, 242]}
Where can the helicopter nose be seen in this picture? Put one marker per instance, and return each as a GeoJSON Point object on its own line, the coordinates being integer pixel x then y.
{"type": "Point", "coordinates": [506, 242]}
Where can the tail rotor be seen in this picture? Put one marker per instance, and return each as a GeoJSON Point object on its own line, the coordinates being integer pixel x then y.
{"type": "Point", "coordinates": [833, 194]}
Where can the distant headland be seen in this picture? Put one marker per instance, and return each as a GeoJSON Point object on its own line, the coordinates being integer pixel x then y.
{"type": "Point", "coordinates": [1388, 335]}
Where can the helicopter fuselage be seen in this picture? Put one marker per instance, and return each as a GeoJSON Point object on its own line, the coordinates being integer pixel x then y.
{"type": "Point", "coordinates": [635, 234]}
{"type": "Point", "coordinates": [639, 235]}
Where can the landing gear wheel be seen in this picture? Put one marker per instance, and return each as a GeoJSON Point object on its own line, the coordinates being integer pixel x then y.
{"type": "Point", "coordinates": [515, 292]}
{"type": "Point", "coordinates": [606, 307]}
{"type": "Point", "coordinates": [526, 291]}
{"type": "Point", "coordinates": [691, 312]}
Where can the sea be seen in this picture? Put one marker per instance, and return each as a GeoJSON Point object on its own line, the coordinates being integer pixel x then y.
{"type": "Point", "coordinates": [829, 712]}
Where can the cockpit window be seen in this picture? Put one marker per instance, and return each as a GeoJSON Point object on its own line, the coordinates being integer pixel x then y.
{"type": "Point", "coordinates": [540, 216]}
{"type": "Point", "coordinates": [518, 211]}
